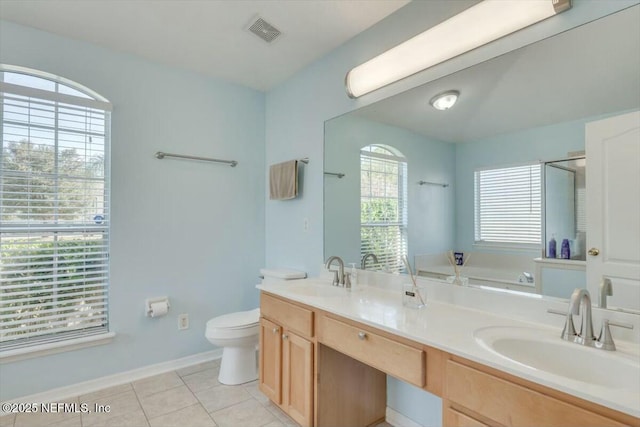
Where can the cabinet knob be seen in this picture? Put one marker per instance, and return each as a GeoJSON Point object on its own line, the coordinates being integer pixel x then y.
{"type": "Point", "coordinates": [362, 335]}
{"type": "Point", "coordinates": [594, 251]}
{"type": "Point", "coordinates": [275, 330]}
{"type": "Point", "coordinates": [285, 336]}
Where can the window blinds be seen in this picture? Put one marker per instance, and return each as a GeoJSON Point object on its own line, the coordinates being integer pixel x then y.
{"type": "Point", "coordinates": [54, 213]}
{"type": "Point", "coordinates": [508, 205]}
{"type": "Point", "coordinates": [383, 207]}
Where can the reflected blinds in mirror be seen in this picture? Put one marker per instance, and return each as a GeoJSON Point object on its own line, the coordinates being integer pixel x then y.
{"type": "Point", "coordinates": [383, 205]}
{"type": "Point", "coordinates": [508, 205]}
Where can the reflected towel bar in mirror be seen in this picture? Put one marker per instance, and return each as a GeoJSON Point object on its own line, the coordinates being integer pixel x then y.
{"type": "Point", "coordinates": [339, 175]}
{"type": "Point", "coordinates": [432, 183]}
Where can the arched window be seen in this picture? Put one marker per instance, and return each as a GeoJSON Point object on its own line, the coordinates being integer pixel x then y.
{"type": "Point", "coordinates": [54, 209]}
{"type": "Point", "coordinates": [383, 205]}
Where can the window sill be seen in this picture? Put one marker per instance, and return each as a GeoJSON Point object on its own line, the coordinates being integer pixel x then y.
{"type": "Point", "coordinates": [53, 348]}
{"type": "Point", "coordinates": [523, 247]}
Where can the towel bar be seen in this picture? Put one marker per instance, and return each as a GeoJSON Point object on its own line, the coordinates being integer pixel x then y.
{"type": "Point", "coordinates": [339, 175]}
{"type": "Point", "coordinates": [432, 183]}
{"type": "Point", "coordinates": [161, 155]}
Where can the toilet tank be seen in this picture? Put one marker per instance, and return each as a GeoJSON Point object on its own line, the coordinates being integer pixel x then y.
{"type": "Point", "coordinates": [279, 274]}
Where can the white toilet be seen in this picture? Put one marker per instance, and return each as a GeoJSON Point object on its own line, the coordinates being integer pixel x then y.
{"type": "Point", "coordinates": [238, 333]}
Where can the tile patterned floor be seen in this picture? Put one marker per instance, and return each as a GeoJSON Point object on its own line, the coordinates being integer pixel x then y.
{"type": "Point", "coordinates": [189, 397]}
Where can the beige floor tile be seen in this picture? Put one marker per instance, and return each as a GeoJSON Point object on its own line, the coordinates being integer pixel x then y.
{"type": "Point", "coordinates": [42, 418]}
{"type": "Point", "coordinates": [105, 392]}
{"type": "Point", "coordinates": [7, 420]}
{"type": "Point", "coordinates": [202, 380]}
{"type": "Point", "coordinates": [255, 392]}
{"type": "Point", "coordinates": [119, 405]}
{"type": "Point", "coordinates": [199, 367]}
{"type": "Point", "coordinates": [249, 413]}
{"type": "Point", "coordinates": [274, 423]}
{"type": "Point", "coordinates": [191, 416]}
{"type": "Point", "coordinates": [220, 397]}
{"type": "Point", "coordinates": [167, 401]}
{"type": "Point", "coordinates": [157, 383]}
{"type": "Point", "coordinates": [69, 422]}
{"type": "Point", "coordinates": [281, 415]}
{"type": "Point", "coordinates": [131, 419]}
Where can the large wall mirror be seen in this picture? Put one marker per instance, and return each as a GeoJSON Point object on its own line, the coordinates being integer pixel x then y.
{"type": "Point", "coordinates": [403, 176]}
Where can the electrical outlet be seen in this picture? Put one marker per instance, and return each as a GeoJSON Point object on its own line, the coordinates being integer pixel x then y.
{"type": "Point", "coordinates": [183, 321]}
{"type": "Point", "coordinates": [305, 224]}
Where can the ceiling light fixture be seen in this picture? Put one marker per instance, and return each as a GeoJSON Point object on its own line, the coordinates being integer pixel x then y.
{"type": "Point", "coordinates": [445, 100]}
{"type": "Point", "coordinates": [480, 24]}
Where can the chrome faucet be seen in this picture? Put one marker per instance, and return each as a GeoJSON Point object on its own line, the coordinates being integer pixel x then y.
{"type": "Point", "coordinates": [581, 301]}
{"type": "Point", "coordinates": [338, 275]}
{"type": "Point", "coordinates": [606, 289]}
{"type": "Point", "coordinates": [363, 263]}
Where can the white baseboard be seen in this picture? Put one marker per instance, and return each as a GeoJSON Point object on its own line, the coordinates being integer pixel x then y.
{"type": "Point", "coordinates": [396, 419]}
{"type": "Point", "coordinates": [73, 390]}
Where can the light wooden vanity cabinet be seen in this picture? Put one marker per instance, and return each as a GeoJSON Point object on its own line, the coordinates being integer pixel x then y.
{"type": "Point", "coordinates": [325, 370]}
{"type": "Point", "coordinates": [479, 396]}
{"type": "Point", "coordinates": [370, 347]}
{"type": "Point", "coordinates": [286, 357]}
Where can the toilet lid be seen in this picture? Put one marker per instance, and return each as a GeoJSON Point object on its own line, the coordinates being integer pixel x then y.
{"type": "Point", "coordinates": [240, 319]}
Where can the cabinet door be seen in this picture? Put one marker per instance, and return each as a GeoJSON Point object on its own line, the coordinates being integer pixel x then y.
{"type": "Point", "coordinates": [297, 378]}
{"type": "Point", "coordinates": [271, 360]}
{"type": "Point", "coordinates": [613, 203]}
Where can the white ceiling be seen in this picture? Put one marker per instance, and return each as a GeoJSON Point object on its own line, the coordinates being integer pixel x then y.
{"type": "Point", "coordinates": [209, 36]}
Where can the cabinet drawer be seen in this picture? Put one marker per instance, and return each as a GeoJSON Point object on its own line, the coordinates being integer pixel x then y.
{"type": "Point", "coordinates": [453, 418]}
{"type": "Point", "coordinates": [394, 358]}
{"type": "Point", "coordinates": [289, 315]}
{"type": "Point", "coordinates": [511, 404]}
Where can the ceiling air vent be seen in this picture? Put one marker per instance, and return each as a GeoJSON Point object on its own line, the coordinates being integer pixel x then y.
{"type": "Point", "coordinates": [264, 30]}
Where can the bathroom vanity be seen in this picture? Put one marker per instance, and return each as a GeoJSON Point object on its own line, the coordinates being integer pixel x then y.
{"type": "Point", "coordinates": [325, 353]}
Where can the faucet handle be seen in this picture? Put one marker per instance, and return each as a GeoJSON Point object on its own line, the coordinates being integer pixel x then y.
{"type": "Point", "coordinates": [336, 278]}
{"type": "Point", "coordinates": [605, 340]}
{"type": "Point", "coordinates": [569, 331]}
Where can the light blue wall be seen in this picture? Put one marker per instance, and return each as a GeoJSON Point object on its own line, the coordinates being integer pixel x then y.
{"type": "Point", "coordinates": [538, 144]}
{"type": "Point", "coordinates": [544, 143]}
{"type": "Point", "coordinates": [430, 208]}
{"type": "Point", "coordinates": [191, 231]}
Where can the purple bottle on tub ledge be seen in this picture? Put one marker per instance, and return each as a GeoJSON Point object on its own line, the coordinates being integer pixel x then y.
{"type": "Point", "coordinates": [552, 247]}
{"type": "Point", "coordinates": [565, 251]}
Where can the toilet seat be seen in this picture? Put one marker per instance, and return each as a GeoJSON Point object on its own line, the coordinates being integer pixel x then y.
{"type": "Point", "coordinates": [238, 320]}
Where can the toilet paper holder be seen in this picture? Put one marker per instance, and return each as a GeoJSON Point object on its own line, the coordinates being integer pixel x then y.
{"type": "Point", "coordinates": [161, 302]}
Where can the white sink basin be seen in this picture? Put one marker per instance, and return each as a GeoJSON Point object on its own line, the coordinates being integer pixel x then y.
{"type": "Point", "coordinates": [541, 350]}
{"type": "Point", "coordinates": [314, 289]}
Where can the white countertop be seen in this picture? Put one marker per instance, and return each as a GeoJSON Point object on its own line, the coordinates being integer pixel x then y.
{"type": "Point", "coordinates": [451, 328]}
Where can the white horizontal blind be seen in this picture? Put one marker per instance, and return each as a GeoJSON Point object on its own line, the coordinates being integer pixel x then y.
{"type": "Point", "coordinates": [508, 205]}
{"type": "Point", "coordinates": [383, 206]}
{"type": "Point", "coordinates": [54, 213]}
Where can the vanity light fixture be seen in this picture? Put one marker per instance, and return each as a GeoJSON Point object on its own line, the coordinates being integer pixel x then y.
{"type": "Point", "coordinates": [445, 100]}
{"type": "Point", "coordinates": [476, 26]}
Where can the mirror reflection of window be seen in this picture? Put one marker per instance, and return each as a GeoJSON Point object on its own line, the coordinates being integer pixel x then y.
{"type": "Point", "coordinates": [508, 206]}
{"type": "Point", "coordinates": [383, 205]}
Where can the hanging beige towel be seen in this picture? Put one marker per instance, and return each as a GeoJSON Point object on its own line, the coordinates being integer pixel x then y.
{"type": "Point", "coordinates": [283, 180]}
